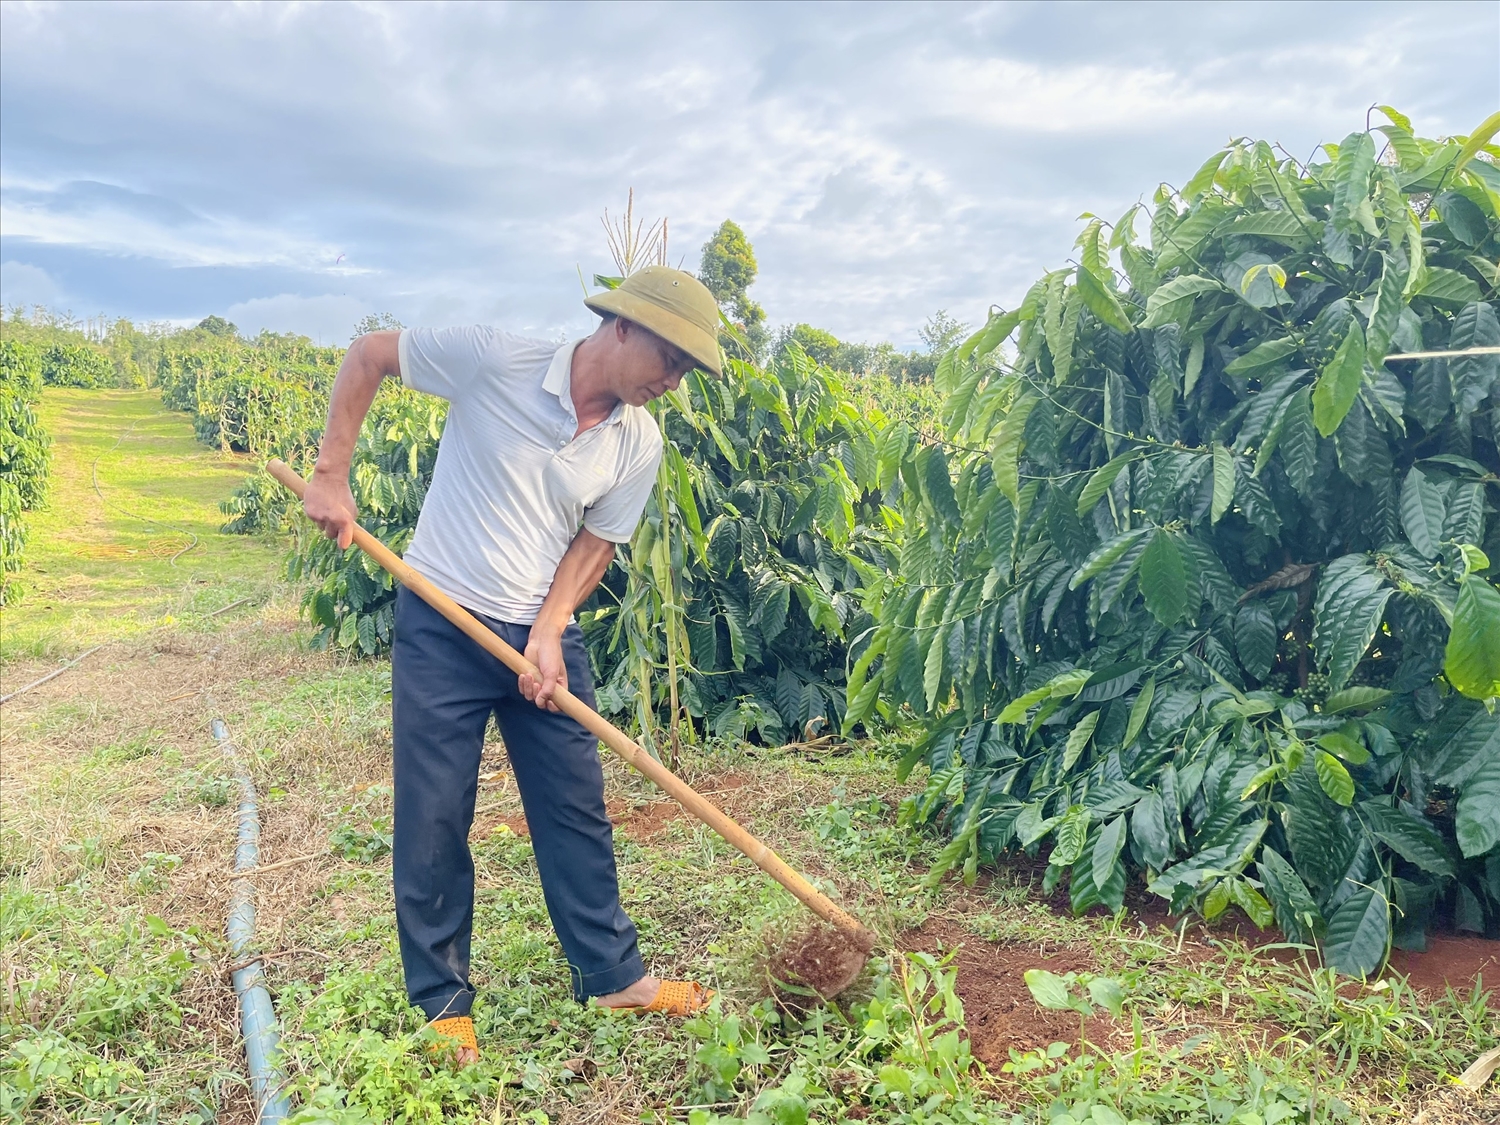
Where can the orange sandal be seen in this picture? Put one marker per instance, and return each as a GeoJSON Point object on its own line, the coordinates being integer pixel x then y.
{"type": "Point", "coordinates": [677, 998]}
{"type": "Point", "coordinates": [458, 1033]}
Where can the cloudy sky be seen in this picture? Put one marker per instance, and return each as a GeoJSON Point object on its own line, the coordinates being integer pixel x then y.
{"type": "Point", "coordinates": [296, 166]}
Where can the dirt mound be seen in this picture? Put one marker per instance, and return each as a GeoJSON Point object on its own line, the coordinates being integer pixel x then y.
{"type": "Point", "coordinates": [645, 821]}
{"type": "Point", "coordinates": [998, 1008]}
{"type": "Point", "coordinates": [812, 965]}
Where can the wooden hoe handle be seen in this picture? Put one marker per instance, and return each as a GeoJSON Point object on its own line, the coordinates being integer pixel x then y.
{"type": "Point", "coordinates": [616, 739]}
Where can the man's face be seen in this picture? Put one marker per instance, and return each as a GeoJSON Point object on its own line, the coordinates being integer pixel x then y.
{"type": "Point", "coordinates": [649, 366]}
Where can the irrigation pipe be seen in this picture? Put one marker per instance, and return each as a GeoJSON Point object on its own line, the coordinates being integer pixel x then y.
{"type": "Point", "coordinates": [227, 608]}
{"type": "Point", "coordinates": [1443, 355]}
{"type": "Point", "coordinates": [258, 1023]}
{"type": "Point", "coordinates": [52, 675]}
{"type": "Point", "coordinates": [94, 475]}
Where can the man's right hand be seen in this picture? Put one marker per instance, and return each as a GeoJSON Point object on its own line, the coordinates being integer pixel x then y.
{"type": "Point", "coordinates": [329, 503]}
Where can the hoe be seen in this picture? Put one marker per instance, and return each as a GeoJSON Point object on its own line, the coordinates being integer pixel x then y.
{"type": "Point", "coordinates": [824, 963]}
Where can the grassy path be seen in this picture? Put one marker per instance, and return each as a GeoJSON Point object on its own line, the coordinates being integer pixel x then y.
{"type": "Point", "coordinates": [130, 489]}
{"type": "Point", "coordinates": [116, 838]}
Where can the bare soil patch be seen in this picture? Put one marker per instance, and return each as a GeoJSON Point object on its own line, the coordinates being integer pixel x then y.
{"type": "Point", "coordinates": [998, 1008]}
{"type": "Point", "coordinates": [640, 821]}
{"type": "Point", "coordinates": [1460, 963]}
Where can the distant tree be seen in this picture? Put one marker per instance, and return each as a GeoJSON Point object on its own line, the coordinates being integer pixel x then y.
{"type": "Point", "coordinates": [942, 331]}
{"type": "Point", "coordinates": [218, 326]}
{"type": "Point", "coordinates": [728, 269]}
{"type": "Point", "coordinates": [375, 322]}
{"type": "Point", "coordinates": [824, 347]}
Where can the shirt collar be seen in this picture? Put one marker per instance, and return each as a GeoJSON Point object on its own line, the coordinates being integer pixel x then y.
{"type": "Point", "coordinates": [559, 381]}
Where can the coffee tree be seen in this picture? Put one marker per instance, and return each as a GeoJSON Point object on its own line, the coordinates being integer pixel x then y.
{"type": "Point", "coordinates": [268, 395]}
{"type": "Point", "coordinates": [730, 607]}
{"type": "Point", "coordinates": [76, 364]}
{"type": "Point", "coordinates": [1200, 582]}
{"type": "Point", "coordinates": [24, 453]}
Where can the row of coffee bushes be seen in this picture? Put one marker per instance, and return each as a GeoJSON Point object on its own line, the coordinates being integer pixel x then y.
{"type": "Point", "coordinates": [24, 458]}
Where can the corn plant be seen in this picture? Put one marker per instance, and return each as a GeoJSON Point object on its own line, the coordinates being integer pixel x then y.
{"type": "Point", "coordinates": [1201, 583]}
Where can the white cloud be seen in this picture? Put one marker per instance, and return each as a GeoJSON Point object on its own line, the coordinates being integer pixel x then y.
{"type": "Point", "coordinates": [328, 319]}
{"type": "Point", "coordinates": [118, 224]}
{"type": "Point", "coordinates": [27, 285]}
{"type": "Point", "coordinates": [886, 160]}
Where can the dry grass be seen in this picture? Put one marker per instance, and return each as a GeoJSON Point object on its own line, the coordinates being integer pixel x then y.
{"type": "Point", "coordinates": [105, 756]}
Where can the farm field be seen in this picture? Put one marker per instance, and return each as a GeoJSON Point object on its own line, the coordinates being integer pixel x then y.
{"type": "Point", "coordinates": [117, 833]}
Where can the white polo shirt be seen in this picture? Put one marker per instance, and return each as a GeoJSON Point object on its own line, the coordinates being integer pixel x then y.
{"type": "Point", "coordinates": [512, 484]}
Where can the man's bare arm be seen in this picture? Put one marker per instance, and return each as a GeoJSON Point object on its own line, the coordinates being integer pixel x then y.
{"type": "Point", "coordinates": [582, 566]}
{"type": "Point", "coordinates": [328, 502]}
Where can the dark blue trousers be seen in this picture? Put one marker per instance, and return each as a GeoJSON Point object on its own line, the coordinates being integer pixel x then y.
{"type": "Point", "coordinates": [444, 688]}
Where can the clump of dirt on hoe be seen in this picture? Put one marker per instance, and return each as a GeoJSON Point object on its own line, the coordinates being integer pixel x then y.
{"type": "Point", "coordinates": [813, 965]}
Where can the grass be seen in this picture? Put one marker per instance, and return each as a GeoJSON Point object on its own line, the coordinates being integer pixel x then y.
{"type": "Point", "coordinates": [117, 835]}
{"type": "Point", "coordinates": [129, 489]}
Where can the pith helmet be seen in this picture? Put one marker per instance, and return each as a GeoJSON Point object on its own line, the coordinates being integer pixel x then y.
{"type": "Point", "coordinates": [673, 304]}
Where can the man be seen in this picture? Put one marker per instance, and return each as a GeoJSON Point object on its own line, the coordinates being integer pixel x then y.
{"type": "Point", "coordinates": [545, 465]}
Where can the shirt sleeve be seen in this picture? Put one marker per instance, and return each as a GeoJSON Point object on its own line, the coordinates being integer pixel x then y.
{"type": "Point", "coordinates": [614, 515]}
{"type": "Point", "coordinates": [445, 362]}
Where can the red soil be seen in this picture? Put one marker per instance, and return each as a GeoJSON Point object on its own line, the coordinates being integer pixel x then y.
{"type": "Point", "coordinates": [637, 823]}
{"type": "Point", "coordinates": [1456, 962]}
{"type": "Point", "coordinates": [998, 1008]}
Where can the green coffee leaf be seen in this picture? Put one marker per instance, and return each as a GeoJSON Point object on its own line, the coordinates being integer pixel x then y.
{"type": "Point", "coordinates": [1063, 685]}
{"type": "Point", "coordinates": [1148, 830]}
{"type": "Point", "coordinates": [1101, 301]}
{"type": "Point", "coordinates": [1334, 778]}
{"type": "Point", "coordinates": [1071, 835]}
{"type": "Point", "coordinates": [1472, 659]}
{"type": "Point", "coordinates": [1223, 481]}
{"type": "Point", "coordinates": [1477, 822]}
{"type": "Point", "coordinates": [1106, 555]}
{"type": "Point", "coordinates": [1078, 739]}
{"type": "Point", "coordinates": [1355, 699]}
{"type": "Point", "coordinates": [1006, 451]}
{"type": "Point", "coordinates": [1163, 578]}
{"type": "Point", "coordinates": [1422, 513]}
{"type": "Point", "coordinates": [1107, 850]}
{"type": "Point", "coordinates": [1338, 385]}
{"type": "Point", "coordinates": [1252, 902]}
{"type": "Point", "coordinates": [1413, 839]}
{"type": "Point", "coordinates": [1355, 943]}
{"type": "Point", "coordinates": [1296, 912]}
{"type": "Point", "coordinates": [1140, 710]}
{"type": "Point", "coordinates": [1446, 286]}
{"type": "Point", "coordinates": [1347, 748]}
{"type": "Point", "coordinates": [1351, 177]}
{"type": "Point", "coordinates": [1173, 301]}
{"type": "Point", "coordinates": [1099, 483]}
{"type": "Point", "coordinates": [1263, 355]}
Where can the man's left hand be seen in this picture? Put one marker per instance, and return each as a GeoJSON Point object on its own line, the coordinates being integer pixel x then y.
{"type": "Point", "coordinates": [544, 649]}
